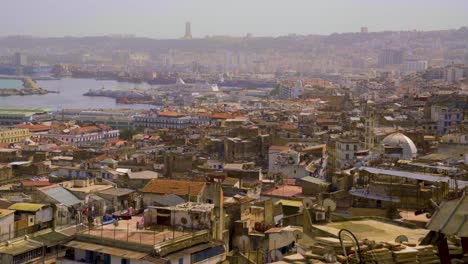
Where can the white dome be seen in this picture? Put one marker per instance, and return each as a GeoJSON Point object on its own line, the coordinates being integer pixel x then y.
{"type": "Point", "coordinates": [398, 140]}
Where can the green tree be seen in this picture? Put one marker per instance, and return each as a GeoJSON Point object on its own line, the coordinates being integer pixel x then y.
{"type": "Point", "coordinates": [275, 90]}
{"type": "Point", "coordinates": [128, 133]}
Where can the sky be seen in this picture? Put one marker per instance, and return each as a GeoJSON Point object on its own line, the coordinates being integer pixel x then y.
{"type": "Point", "coordinates": [166, 18]}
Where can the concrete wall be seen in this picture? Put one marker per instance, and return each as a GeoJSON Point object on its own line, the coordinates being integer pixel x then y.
{"type": "Point", "coordinates": [44, 215]}
{"type": "Point", "coordinates": [281, 239]}
{"type": "Point", "coordinates": [7, 224]}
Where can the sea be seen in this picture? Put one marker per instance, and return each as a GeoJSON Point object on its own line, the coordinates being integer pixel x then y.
{"type": "Point", "coordinates": [70, 94]}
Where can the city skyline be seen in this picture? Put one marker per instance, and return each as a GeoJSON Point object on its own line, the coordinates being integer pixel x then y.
{"type": "Point", "coordinates": [166, 20]}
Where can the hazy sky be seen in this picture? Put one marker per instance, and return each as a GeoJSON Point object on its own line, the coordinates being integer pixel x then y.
{"type": "Point", "coordinates": [166, 18]}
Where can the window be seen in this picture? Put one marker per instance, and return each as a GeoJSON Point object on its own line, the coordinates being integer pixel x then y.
{"type": "Point", "coordinates": [347, 147]}
{"type": "Point", "coordinates": [181, 261]}
{"type": "Point", "coordinates": [124, 261]}
{"type": "Point", "coordinates": [347, 156]}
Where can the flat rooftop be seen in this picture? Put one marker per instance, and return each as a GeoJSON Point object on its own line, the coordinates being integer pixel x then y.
{"type": "Point", "coordinates": [90, 189]}
{"type": "Point", "coordinates": [373, 230]}
{"type": "Point", "coordinates": [143, 236]}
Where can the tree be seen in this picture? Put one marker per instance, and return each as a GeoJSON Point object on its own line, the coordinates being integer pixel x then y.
{"type": "Point", "coordinates": [275, 91]}
{"type": "Point", "coordinates": [128, 133]}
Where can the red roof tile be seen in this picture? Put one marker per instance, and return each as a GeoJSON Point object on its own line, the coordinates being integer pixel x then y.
{"type": "Point", "coordinates": [35, 183]}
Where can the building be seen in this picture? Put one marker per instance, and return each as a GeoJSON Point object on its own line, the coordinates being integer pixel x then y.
{"type": "Point", "coordinates": [188, 31]}
{"type": "Point", "coordinates": [390, 57]}
{"type": "Point", "coordinates": [346, 147]}
{"type": "Point", "coordinates": [31, 217]}
{"type": "Point", "coordinates": [453, 73]}
{"type": "Point", "coordinates": [159, 188]}
{"type": "Point", "coordinates": [445, 117]}
{"type": "Point", "coordinates": [163, 120]}
{"type": "Point", "coordinates": [20, 59]}
{"type": "Point", "coordinates": [82, 135]}
{"type": "Point", "coordinates": [399, 146]}
{"type": "Point", "coordinates": [7, 219]}
{"type": "Point", "coordinates": [14, 115]}
{"type": "Point", "coordinates": [411, 66]}
{"type": "Point", "coordinates": [13, 135]}
{"type": "Point", "coordinates": [364, 30]}
{"type": "Point", "coordinates": [287, 162]}
{"type": "Point", "coordinates": [291, 90]}
{"type": "Point", "coordinates": [118, 119]}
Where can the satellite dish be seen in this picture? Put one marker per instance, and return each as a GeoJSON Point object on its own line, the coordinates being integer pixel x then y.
{"type": "Point", "coordinates": [308, 203]}
{"type": "Point", "coordinates": [401, 239]}
{"type": "Point", "coordinates": [329, 204]}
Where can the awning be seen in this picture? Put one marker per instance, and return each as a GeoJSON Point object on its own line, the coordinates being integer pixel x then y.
{"type": "Point", "coordinates": [123, 253]}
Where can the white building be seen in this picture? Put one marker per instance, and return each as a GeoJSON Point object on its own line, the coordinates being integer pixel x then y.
{"type": "Point", "coordinates": [453, 74]}
{"type": "Point", "coordinates": [446, 117]}
{"type": "Point", "coordinates": [82, 135]}
{"type": "Point", "coordinates": [345, 149]}
{"type": "Point", "coordinates": [286, 162]}
{"type": "Point", "coordinates": [290, 90]}
{"type": "Point", "coordinates": [414, 66]}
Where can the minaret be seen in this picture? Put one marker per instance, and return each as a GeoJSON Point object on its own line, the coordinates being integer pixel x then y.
{"type": "Point", "coordinates": [188, 31]}
{"type": "Point", "coordinates": [369, 126]}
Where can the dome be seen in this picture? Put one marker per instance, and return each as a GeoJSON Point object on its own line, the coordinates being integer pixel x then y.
{"type": "Point", "coordinates": [400, 141]}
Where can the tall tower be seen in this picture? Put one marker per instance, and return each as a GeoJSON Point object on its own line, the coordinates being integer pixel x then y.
{"type": "Point", "coordinates": [188, 31]}
{"type": "Point", "coordinates": [369, 125]}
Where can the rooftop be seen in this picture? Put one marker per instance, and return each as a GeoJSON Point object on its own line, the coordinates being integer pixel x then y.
{"type": "Point", "coordinates": [27, 207]}
{"type": "Point", "coordinates": [145, 236]}
{"type": "Point", "coordinates": [166, 186]}
{"type": "Point", "coordinates": [143, 175]}
{"type": "Point", "coordinates": [284, 191]}
{"type": "Point", "coordinates": [5, 212]}
{"type": "Point", "coordinates": [61, 195]}
{"type": "Point", "coordinates": [373, 229]}
{"type": "Point", "coordinates": [90, 189]}
{"type": "Point", "coordinates": [117, 191]}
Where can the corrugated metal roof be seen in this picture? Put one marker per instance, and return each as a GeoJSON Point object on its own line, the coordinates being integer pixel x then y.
{"type": "Point", "coordinates": [52, 238]}
{"type": "Point", "coordinates": [61, 195]}
{"type": "Point", "coordinates": [412, 175]}
{"type": "Point", "coordinates": [315, 180]}
{"type": "Point", "coordinates": [451, 218]}
{"type": "Point", "coordinates": [117, 192]}
{"type": "Point", "coordinates": [114, 251]}
{"type": "Point", "coordinates": [20, 247]}
{"type": "Point", "coordinates": [405, 174]}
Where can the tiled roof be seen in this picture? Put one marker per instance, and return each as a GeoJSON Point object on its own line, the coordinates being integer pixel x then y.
{"type": "Point", "coordinates": [34, 128]}
{"type": "Point", "coordinates": [165, 186]}
{"type": "Point", "coordinates": [35, 183]}
{"type": "Point", "coordinates": [85, 129]}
